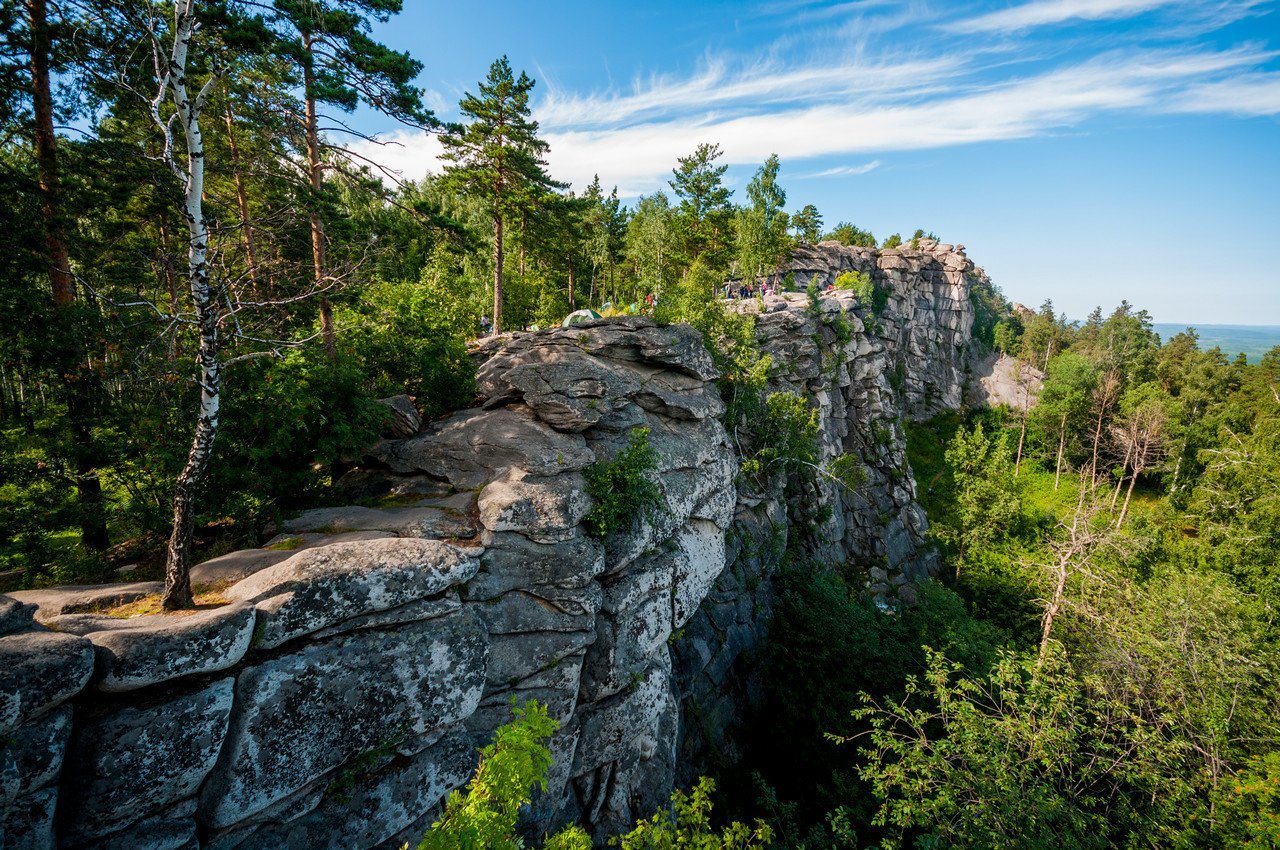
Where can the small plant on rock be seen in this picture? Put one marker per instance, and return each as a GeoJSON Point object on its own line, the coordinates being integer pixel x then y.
{"type": "Point", "coordinates": [622, 488]}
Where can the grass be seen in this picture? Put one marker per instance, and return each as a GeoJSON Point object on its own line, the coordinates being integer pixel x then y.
{"type": "Point", "coordinates": [207, 597]}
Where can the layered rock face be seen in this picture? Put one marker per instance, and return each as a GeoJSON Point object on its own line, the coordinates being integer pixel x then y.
{"type": "Point", "coordinates": [365, 651]}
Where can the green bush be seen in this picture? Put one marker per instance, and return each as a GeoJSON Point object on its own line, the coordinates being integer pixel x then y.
{"type": "Point", "coordinates": [871, 295]}
{"type": "Point", "coordinates": [623, 488]}
{"type": "Point", "coordinates": [410, 337]}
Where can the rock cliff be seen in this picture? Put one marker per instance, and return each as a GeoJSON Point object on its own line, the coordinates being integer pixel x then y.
{"type": "Point", "coordinates": [339, 691]}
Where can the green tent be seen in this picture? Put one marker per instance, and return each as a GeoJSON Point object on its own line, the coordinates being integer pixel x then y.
{"type": "Point", "coordinates": [577, 317]}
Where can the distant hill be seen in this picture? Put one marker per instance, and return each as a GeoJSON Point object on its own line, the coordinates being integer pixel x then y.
{"type": "Point", "coordinates": [1253, 340]}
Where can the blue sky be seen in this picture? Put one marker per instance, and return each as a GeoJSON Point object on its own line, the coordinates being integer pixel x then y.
{"type": "Point", "coordinates": [1083, 150]}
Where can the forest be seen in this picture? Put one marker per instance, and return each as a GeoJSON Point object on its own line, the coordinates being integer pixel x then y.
{"type": "Point", "coordinates": [206, 285]}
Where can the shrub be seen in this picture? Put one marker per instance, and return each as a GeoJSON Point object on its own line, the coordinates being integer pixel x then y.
{"type": "Point", "coordinates": [870, 294]}
{"type": "Point", "coordinates": [622, 488]}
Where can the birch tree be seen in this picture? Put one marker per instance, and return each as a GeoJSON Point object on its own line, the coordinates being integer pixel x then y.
{"type": "Point", "coordinates": [176, 108]}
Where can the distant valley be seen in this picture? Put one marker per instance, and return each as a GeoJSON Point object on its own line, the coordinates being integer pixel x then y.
{"type": "Point", "coordinates": [1253, 340]}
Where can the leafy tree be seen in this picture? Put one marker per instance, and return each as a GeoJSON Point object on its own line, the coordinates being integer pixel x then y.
{"type": "Point", "coordinates": [1019, 757]}
{"type": "Point", "coordinates": [1062, 409]}
{"type": "Point", "coordinates": [623, 488]}
{"type": "Point", "coordinates": [848, 234]}
{"type": "Point", "coordinates": [650, 236]}
{"type": "Point", "coordinates": [688, 825]}
{"type": "Point", "coordinates": [986, 505]}
{"type": "Point", "coordinates": [484, 816]}
{"type": "Point", "coordinates": [893, 241]}
{"type": "Point", "coordinates": [762, 225]}
{"type": "Point", "coordinates": [498, 157]}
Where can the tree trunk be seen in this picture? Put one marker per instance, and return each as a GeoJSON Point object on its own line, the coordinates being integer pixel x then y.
{"type": "Point", "coordinates": [497, 273]}
{"type": "Point", "coordinates": [242, 201]}
{"type": "Point", "coordinates": [46, 144]}
{"type": "Point", "coordinates": [572, 304]}
{"type": "Point", "coordinates": [1124, 511]}
{"type": "Point", "coordinates": [315, 170]}
{"type": "Point", "coordinates": [1124, 468]}
{"type": "Point", "coordinates": [92, 507]}
{"type": "Point", "coordinates": [1022, 431]}
{"type": "Point", "coordinates": [1139, 465]}
{"type": "Point", "coordinates": [177, 578]}
{"type": "Point", "coordinates": [1062, 441]}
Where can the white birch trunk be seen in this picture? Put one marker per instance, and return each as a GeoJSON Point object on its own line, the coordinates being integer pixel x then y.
{"type": "Point", "coordinates": [177, 590]}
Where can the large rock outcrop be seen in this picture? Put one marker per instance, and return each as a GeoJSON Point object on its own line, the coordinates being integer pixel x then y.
{"type": "Point", "coordinates": [365, 651]}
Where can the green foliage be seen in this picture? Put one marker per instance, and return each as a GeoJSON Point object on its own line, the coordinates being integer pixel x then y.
{"type": "Point", "coordinates": [849, 234]}
{"type": "Point", "coordinates": [623, 488]}
{"type": "Point", "coordinates": [783, 436]}
{"type": "Point", "coordinates": [1018, 757]}
{"type": "Point", "coordinates": [826, 644]}
{"type": "Point", "coordinates": [284, 426]}
{"type": "Point", "coordinates": [483, 817]}
{"type": "Point", "coordinates": [872, 296]}
{"type": "Point", "coordinates": [989, 308]}
{"type": "Point", "coordinates": [703, 209]}
{"type": "Point", "coordinates": [688, 825]}
{"type": "Point", "coordinates": [893, 241]}
{"type": "Point", "coordinates": [807, 224]}
{"type": "Point", "coordinates": [1249, 804]}
{"type": "Point", "coordinates": [762, 225]}
{"type": "Point", "coordinates": [411, 338]}
{"type": "Point", "coordinates": [985, 503]}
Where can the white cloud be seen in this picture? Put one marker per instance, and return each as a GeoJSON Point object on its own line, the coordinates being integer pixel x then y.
{"type": "Point", "coordinates": [717, 85]}
{"type": "Point", "coordinates": [1192, 15]}
{"type": "Point", "coordinates": [858, 103]}
{"type": "Point", "coordinates": [406, 154]}
{"type": "Point", "coordinates": [1247, 94]}
{"type": "Point", "coordinates": [1043, 12]}
{"type": "Point", "coordinates": [845, 170]}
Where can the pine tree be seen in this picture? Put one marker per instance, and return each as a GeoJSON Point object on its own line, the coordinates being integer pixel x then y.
{"type": "Point", "coordinates": [807, 224]}
{"type": "Point", "coordinates": [340, 65]}
{"type": "Point", "coordinates": [498, 156]}
{"type": "Point", "coordinates": [703, 209]}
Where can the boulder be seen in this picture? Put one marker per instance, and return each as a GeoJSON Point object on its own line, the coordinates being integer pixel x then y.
{"type": "Point", "coordinates": [15, 616]}
{"type": "Point", "coordinates": [403, 419]}
{"type": "Point", "coordinates": [147, 650]}
{"type": "Point", "coordinates": [698, 559]}
{"type": "Point", "coordinates": [514, 658]}
{"type": "Point", "coordinates": [28, 824]}
{"type": "Point", "coordinates": [301, 716]}
{"type": "Point", "coordinates": [135, 762]}
{"type": "Point", "coordinates": [410, 612]}
{"type": "Point", "coordinates": [318, 588]}
{"type": "Point", "coordinates": [565, 387]}
{"type": "Point", "coordinates": [512, 561]}
{"type": "Point", "coordinates": [547, 609]}
{"type": "Point", "coordinates": [405, 522]}
{"type": "Point", "coordinates": [39, 670]}
{"type": "Point", "coordinates": [234, 566]}
{"type": "Point", "coordinates": [172, 829]}
{"type": "Point", "coordinates": [544, 509]}
{"type": "Point", "coordinates": [469, 447]}
{"type": "Point", "coordinates": [615, 728]}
